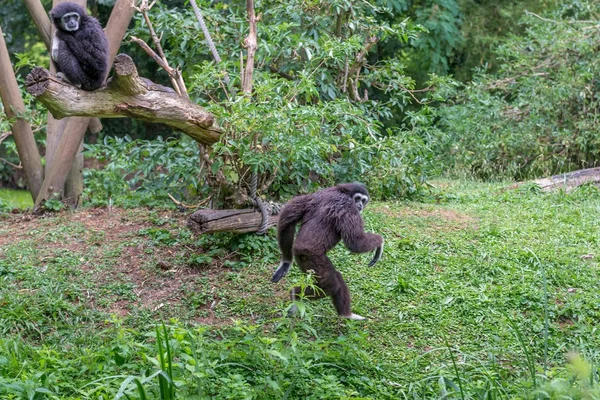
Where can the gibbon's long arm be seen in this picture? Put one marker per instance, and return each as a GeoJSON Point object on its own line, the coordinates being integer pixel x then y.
{"type": "Point", "coordinates": [290, 216]}
{"type": "Point", "coordinates": [356, 239]}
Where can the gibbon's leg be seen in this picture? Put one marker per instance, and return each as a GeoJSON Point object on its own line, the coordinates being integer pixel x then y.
{"type": "Point", "coordinates": [329, 281]}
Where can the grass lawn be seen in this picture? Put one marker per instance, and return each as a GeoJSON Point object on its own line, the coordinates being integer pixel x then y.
{"type": "Point", "coordinates": [485, 291]}
{"type": "Point", "coordinates": [15, 199]}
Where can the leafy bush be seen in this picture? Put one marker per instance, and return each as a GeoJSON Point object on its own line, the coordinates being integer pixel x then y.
{"type": "Point", "coordinates": [305, 125]}
{"type": "Point", "coordinates": [135, 172]}
{"type": "Point", "coordinates": [537, 115]}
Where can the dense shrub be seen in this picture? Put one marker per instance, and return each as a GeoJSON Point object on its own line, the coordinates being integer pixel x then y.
{"type": "Point", "coordinates": [538, 115]}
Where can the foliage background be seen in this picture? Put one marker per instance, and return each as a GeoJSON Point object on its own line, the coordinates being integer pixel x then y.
{"type": "Point", "coordinates": [538, 115]}
{"type": "Point", "coordinates": [311, 132]}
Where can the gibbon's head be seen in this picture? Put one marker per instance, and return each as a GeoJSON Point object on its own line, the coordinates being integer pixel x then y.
{"type": "Point", "coordinates": [67, 16]}
{"type": "Point", "coordinates": [358, 192]}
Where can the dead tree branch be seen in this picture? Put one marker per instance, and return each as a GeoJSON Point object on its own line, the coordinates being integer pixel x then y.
{"type": "Point", "coordinates": [127, 95]}
{"type": "Point", "coordinates": [570, 180]}
{"type": "Point", "coordinates": [354, 70]}
{"type": "Point", "coordinates": [250, 44]}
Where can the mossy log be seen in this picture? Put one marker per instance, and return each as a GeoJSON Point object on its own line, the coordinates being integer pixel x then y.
{"type": "Point", "coordinates": [238, 221]}
{"type": "Point", "coordinates": [570, 180]}
{"type": "Point", "coordinates": [125, 95]}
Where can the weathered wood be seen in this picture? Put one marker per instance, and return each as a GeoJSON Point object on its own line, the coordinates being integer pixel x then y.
{"type": "Point", "coordinates": [250, 43]}
{"type": "Point", "coordinates": [41, 20]}
{"type": "Point", "coordinates": [570, 180]}
{"type": "Point", "coordinates": [237, 221]}
{"type": "Point", "coordinates": [127, 95]}
{"type": "Point", "coordinates": [14, 108]}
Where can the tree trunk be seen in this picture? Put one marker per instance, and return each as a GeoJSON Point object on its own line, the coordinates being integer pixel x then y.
{"type": "Point", "coordinates": [56, 129]}
{"type": "Point", "coordinates": [13, 107]}
{"type": "Point", "coordinates": [41, 21]}
{"type": "Point", "coordinates": [237, 221]}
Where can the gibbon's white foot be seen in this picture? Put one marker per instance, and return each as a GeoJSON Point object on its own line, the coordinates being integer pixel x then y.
{"type": "Point", "coordinates": [355, 317]}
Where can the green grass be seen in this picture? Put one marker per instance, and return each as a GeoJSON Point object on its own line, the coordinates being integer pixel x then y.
{"type": "Point", "coordinates": [483, 292]}
{"type": "Point", "coordinates": [15, 199]}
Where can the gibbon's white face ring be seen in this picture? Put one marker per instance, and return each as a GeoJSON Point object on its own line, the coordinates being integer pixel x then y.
{"type": "Point", "coordinates": [70, 22]}
{"type": "Point", "coordinates": [360, 200]}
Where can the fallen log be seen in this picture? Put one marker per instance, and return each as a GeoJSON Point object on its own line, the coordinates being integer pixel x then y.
{"type": "Point", "coordinates": [238, 221]}
{"type": "Point", "coordinates": [569, 180]}
{"type": "Point", "coordinates": [126, 95]}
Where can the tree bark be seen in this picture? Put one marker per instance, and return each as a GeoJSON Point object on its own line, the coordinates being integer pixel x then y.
{"type": "Point", "coordinates": [127, 95]}
{"type": "Point", "coordinates": [73, 185]}
{"type": "Point", "coordinates": [41, 21]}
{"type": "Point", "coordinates": [237, 221]}
{"type": "Point", "coordinates": [14, 107]}
{"type": "Point", "coordinates": [251, 44]}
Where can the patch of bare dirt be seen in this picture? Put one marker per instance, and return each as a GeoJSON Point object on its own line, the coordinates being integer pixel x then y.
{"type": "Point", "coordinates": [158, 282]}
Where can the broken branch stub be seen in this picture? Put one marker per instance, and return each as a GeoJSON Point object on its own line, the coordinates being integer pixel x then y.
{"type": "Point", "coordinates": [126, 95]}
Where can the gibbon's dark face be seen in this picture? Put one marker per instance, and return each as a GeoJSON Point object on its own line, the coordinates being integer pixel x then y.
{"type": "Point", "coordinates": [360, 200]}
{"type": "Point", "coordinates": [70, 22]}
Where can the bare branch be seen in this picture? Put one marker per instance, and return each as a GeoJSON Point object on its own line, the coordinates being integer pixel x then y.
{"type": "Point", "coordinates": [174, 74]}
{"type": "Point", "coordinates": [20, 166]}
{"type": "Point", "coordinates": [277, 71]}
{"type": "Point", "coordinates": [162, 63]}
{"type": "Point", "coordinates": [359, 61]}
{"type": "Point", "coordinates": [251, 44]}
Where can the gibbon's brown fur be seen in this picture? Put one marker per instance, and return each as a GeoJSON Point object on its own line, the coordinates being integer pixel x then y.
{"type": "Point", "coordinates": [326, 217]}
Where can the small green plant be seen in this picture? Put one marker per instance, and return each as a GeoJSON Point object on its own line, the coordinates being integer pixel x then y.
{"type": "Point", "coordinates": [53, 205]}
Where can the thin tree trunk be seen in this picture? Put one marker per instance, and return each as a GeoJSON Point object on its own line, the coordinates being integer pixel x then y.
{"type": "Point", "coordinates": [250, 43]}
{"type": "Point", "coordinates": [55, 131]}
{"type": "Point", "coordinates": [14, 106]}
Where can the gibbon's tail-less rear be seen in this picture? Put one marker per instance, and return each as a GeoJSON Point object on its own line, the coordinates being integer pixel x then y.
{"type": "Point", "coordinates": [290, 216]}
